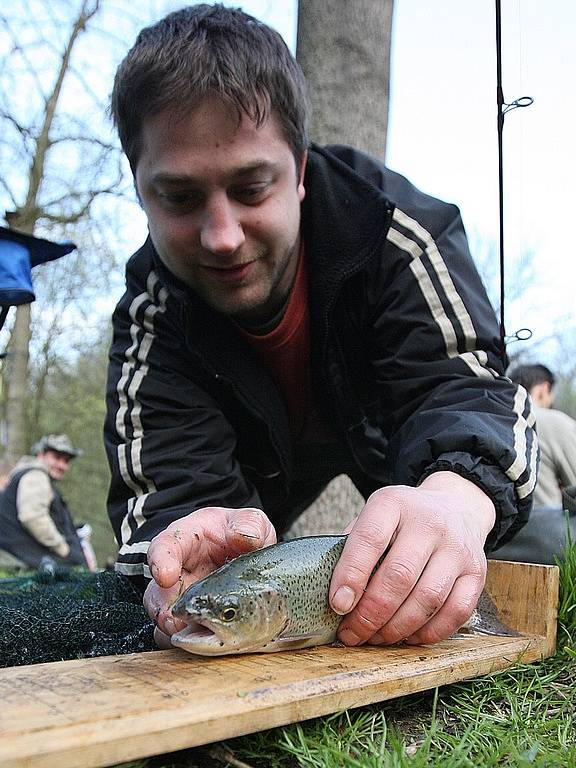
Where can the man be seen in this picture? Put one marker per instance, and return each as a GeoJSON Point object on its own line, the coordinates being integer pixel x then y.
{"type": "Point", "coordinates": [556, 435]}
{"type": "Point", "coordinates": [297, 312]}
{"type": "Point", "coordinates": [35, 521]}
{"type": "Point", "coordinates": [543, 539]}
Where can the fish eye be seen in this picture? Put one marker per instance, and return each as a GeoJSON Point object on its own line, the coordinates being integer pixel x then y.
{"type": "Point", "coordinates": [228, 614]}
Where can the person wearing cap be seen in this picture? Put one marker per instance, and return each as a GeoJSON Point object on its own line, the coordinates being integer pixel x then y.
{"type": "Point", "coordinates": [35, 521]}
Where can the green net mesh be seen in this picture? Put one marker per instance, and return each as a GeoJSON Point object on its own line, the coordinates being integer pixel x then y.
{"type": "Point", "coordinates": [69, 615]}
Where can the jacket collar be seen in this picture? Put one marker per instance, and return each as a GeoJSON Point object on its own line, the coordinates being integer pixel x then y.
{"type": "Point", "coordinates": [344, 215]}
{"type": "Point", "coordinates": [345, 220]}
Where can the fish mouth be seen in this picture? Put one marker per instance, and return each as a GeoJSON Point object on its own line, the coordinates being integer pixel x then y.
{"type": "Point", "coordinates": [199, 637]}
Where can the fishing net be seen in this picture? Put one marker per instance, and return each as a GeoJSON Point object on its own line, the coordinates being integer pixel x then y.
{"type": "Point", "coordinates": [69, 614]}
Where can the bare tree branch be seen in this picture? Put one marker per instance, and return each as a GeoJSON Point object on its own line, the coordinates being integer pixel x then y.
{"type": "Point", "coordinates": [17, 48]}
{"type": "Point", "coordinates": [22, 130]}
{"type": "Point", "coordinates": [105, 145]}
{"type": "Point", "coordinates": [31, 211]}
{"type": "Point", "coordinates": [42, 142]}
{"type": "Point", "coordinates": [8, 190]}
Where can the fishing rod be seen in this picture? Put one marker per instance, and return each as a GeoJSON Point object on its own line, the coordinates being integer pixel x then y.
{"type": "Point", "coordinates": [523, 334]}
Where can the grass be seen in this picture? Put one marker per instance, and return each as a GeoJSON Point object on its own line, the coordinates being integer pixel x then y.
{"type": "Point", "coordinates": [525, 716]}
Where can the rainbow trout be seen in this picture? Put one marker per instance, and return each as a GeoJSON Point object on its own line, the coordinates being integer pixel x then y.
{"type": "Point", "coordinates": [275, 599]}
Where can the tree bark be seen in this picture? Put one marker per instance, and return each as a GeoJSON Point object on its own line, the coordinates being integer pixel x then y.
{"type": "Point", "coordinates": [344, 50]}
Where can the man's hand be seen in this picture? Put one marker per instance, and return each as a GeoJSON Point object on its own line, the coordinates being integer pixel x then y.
{"type": "Point", "coordinates": [429, 582]}
{"type": "Point", "coordinates": [193, 547]}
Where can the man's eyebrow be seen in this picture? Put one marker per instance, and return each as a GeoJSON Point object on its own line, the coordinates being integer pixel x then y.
{"type": "Point", "coordinates": [237, 173]}
{"type": "Point", "coordinates": [257, 165]}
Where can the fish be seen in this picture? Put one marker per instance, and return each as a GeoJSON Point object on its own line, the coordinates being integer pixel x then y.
{"type": "Point", "coordinates": [276, 599]}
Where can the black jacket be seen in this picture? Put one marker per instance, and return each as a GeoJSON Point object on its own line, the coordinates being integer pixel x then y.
{"type": "Point", "coordinates": [14, 538]}
{"type": "Point", "coordinates": [405, 366]}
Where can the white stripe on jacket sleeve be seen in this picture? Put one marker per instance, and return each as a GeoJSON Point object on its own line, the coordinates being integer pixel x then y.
{"type": "Point", "coordinates": [142, 311]}
{"type": "Point", "coordinates": [419, 244]}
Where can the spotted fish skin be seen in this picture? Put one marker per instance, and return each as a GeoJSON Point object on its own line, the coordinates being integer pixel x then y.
{"type": "Point", "coordinates": [275, 599]}
{"type": "Point", "coordinates": [305, 582]}
{"type": "Point", "coordinates": [279, 594]}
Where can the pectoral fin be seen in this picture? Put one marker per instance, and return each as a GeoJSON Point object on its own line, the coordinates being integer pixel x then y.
{"type": "Point", "coordinates": [305, 640]}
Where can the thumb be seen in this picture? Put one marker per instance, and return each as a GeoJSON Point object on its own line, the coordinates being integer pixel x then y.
{"type": "Point", "coordinates": [248, 529]}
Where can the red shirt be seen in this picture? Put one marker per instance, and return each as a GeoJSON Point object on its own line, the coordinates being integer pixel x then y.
{"type": "Point", "coordinates": [285, 351]}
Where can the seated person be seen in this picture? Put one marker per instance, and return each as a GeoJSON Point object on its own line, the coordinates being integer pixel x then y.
{"type": "Point", "coordinates": [35, 521]}
{"type": "Point", "coordinates": [543, 538]}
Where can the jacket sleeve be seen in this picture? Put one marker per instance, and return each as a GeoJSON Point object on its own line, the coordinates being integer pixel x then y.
{"type": "Point", "coordinates": [170, 448]}
{"type": "Point", "coordinates": [435, 350]}
{"type": "Point", "coordinates": [33, 498]}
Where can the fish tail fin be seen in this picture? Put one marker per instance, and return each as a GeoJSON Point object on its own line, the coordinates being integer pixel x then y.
{"type": "Point", "coordinates": [485, 620]}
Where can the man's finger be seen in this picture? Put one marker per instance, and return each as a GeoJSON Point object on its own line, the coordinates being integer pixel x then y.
{"type": "Point", "coordinates": [454, 613]}
{"type": "Point", "coordinates": [389, 588]}
{"type": "Point", "coordinates": [423, 602]}
{"type": "Point", "coordinates": [248, 529]}
{"type": "Point", "coordinates": [205, 539]}
{"type": "Point", "coordinates": [366, 542]}
{"type": "Point", "coordinates": [158, 602]}
{"type": "Point", "coordinates": [161, 639]}
{"type": "Point", "coordinates": [185, 542]}
{"type": "Point", "coordinates": [168, 552]}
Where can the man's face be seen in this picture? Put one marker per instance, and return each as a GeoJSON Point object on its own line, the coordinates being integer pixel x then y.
{"type": "Point", "coordinates": [223, 205]}
{"type": "Point", "coordinates": [56, 463]}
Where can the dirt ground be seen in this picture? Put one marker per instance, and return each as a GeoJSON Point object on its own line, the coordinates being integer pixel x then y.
{"type": "Point", "coordinates": [331, 511]}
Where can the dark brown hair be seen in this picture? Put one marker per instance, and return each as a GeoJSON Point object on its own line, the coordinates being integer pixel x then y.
{"type": "Point", "coordinates": [529, 376]}
{"type": "Point", "coordinates": [206, 50]}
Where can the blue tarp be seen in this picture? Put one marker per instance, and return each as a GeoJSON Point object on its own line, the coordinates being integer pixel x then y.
{"type": "Point", "coordinates": [20, 252]}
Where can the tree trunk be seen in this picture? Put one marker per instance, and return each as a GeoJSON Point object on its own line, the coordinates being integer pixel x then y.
{"type": "Point", "coordinates": [344, 51]}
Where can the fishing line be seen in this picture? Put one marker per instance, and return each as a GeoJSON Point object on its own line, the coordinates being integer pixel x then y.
{"type": "Point", "coordinates": [504, 107]}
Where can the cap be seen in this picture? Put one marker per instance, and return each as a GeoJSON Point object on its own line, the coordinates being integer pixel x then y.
{"type": "Point", "coordinates": [58, 443]}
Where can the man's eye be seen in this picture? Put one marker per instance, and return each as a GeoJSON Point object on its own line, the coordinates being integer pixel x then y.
{"type": "Point", "coordinates": [251, 194]}
{"type": "Point", "coordinates": [178, 198]}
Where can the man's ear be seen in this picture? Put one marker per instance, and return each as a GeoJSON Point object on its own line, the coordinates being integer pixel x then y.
{"type": "Point", "coordinates": [301, 171]}
{"type": "Point", "coordinates": [539, 392]}
{"type": "Point", "coordinates": [137, 193]}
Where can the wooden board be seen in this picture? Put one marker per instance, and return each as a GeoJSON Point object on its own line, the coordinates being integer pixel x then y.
{"type": "Point", "coordinates": [98, 712]}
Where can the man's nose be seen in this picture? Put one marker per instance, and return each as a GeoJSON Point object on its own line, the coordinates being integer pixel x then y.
{"type": "Point", "coordinates": [221, 231]}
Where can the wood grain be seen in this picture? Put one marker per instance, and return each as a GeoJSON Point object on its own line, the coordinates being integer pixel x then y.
{"type": "Point", "coordinates": [527, 597]}
{"type": "Point", "coordinates": [98, 712]}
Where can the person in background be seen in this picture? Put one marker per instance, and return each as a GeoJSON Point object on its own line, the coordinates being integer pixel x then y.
{"type": "Point", "coordinates": [35, 521]}
{"type": "Point", "coordinates": [543, 538]}
{"type": "Point", "coordinates": [556, 435]}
